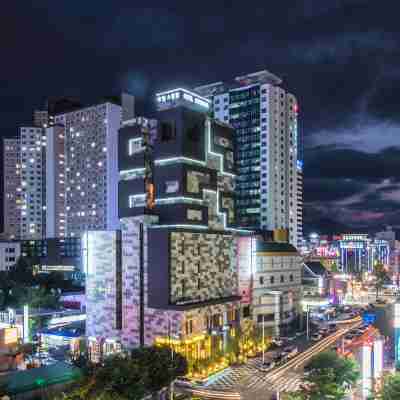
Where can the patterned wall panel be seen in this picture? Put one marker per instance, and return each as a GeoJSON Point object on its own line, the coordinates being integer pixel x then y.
{"type": "Point", "coordinates": [202, 267]}
{"type": "Point", "coordinates": [100, 267]}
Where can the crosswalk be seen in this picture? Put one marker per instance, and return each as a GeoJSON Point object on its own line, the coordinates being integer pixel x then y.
{"type": "Point", "coordinates": [251, 378]}
{"type": "Point", "coordinates": [250, 381]}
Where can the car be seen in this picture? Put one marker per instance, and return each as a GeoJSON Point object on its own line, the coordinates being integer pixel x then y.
{"type": "Point", "coordinates": [299, 334]}
{"type": "Point", "coordinates": [267, 365]}
{"type": "Point", "coordinates": [183, 381]}
{"type": "Point", "coordinates": [277, 341]}
{"type": "Point", "coordinates": [291, 338]}
{"type": "Point", "coordinates": [332, 328]}
{"type": "Point", "coordinates": [290, 351]}
{"type": "Point", "coordinates": [349, 337]}
{"type": "Point", "coordinates": [277, 357]}
{"type": "Point", "coordinates": [315, 337]}
{"type": "Point", "coordinates": [380, 301]}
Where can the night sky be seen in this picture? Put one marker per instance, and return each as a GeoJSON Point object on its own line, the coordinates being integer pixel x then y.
{"type": "Point", "coordinates": [339, 58]}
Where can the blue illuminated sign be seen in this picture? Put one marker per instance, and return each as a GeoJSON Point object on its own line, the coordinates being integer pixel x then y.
{"type": "Point", "coordinates": [369, 318]}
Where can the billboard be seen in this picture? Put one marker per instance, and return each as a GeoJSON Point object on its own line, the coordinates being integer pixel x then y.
{"type": "Point", "coordinates": [8, 337]}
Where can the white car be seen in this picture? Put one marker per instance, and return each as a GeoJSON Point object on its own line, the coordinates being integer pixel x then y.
{"type": "Point", "coordinates": [277, 341]}
{"type": "Point", "coordinates": [291, 351]}
{"type": "Point", "coordinates": [267, 365]}
{"type": "Point", "coordinates": [315, 337]}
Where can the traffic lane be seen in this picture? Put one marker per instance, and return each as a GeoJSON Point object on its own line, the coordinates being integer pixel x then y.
{"type": "Point", "coordinates": [314, 349]}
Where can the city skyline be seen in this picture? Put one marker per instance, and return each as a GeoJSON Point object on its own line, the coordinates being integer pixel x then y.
{"type": "Point", "coordinates": [343, 75]}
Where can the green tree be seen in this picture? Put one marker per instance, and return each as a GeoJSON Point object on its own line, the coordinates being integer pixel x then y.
{"type": "Point", "coordinates": [161, 366]}
{"type": "Point", "coordinates": [334, 268]}
{"type": "Point", "coordinates": [381, 277]}
{"type": "Point", "coordinates": [118, 378]}
{"type": "Point", "coordinates": [328, 378]}
{"type": "Point", "coordinates": [129, 377]}
{"type": "Point", "coordinates": [391, 388]}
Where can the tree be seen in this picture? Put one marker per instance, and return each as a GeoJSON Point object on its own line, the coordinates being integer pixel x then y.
{"type": "Point", "coordinates": [334, 268]}
{"type": "Point", "coordinates": [391, 388]}
{"type": "Point", "coordinates": [129, 377]}
{"type": "Point", "coordinates": [329, 376]}
{"type": "Point", "coordinates": [161, 366]}
{"type": "Point", "coordinates": [22, 272]}
{"type": "Point", "coordinates": [381, 277]}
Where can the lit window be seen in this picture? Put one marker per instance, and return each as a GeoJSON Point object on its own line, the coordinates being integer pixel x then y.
{"type": "Point", "coordinates": [135, 146]}
{"type": "Point", "coordinates": [137, 200]}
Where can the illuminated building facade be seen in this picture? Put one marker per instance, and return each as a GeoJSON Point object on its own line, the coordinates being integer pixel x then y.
{"type": "Point", "coordinates": [277, 288]}
{"type": "Point", "coordinates": [368, 352]}
{"type": "Point", "coordinates": [32, 189]}
{"type": "Point", "coordinates": [88, 183]}
{"type": "Point", "coordinates": [12, 195]}
{"type": "Point", "coordinates": [268, 156]}
{"type": "Point", "coordinates": [170, 274]}
{"type": "Point", "coordinates": [397, 331]}
{"type": "Point", "coordinates": [359, 253]}
{"type": "Point", "coordinates": [55, 182]}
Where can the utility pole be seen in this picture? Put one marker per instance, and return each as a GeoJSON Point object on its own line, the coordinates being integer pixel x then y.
{"type": "Point", "coordinates": [263, 339]}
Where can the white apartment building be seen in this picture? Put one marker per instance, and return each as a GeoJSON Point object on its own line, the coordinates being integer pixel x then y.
{"type": "Point", "coordinates": [91, 170]}
{"type": "Point", "coordinates": [12, 188]}
{"type": "Point", "coordinates": [264, 116]}
{"type": "Point", "coordinates": [23, 172]}
{"type": "Point", "coordinates": [55, 182]}
{"type": "Point", "coordinates": [9, 254]}
{"type": "Point", "coordinates": [32, 200]}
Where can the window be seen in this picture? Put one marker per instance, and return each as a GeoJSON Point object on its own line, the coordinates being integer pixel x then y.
{"type": "Point", "coordinates": [261, 280]}
{"type": "Point", "coordinates": [183, 286]}
{"type": "Point", "coordinates": [189, 327]}
{"type": "Point", "coordinates": [171, 186]}
{"type": "Point", "coordinates": [282, 279]}
{"type": "Point", "coordinates": [168, 131]}
{"type": "Point", "coordinates": [194, 215]}
{"type": "Point", "coordinates": [137, 200]}
{"type": "Point", "coordinates": [194, 132]}
{"type": "Point", "coordinates": [291, 278]}
{"type": "Point", "coordinates": [272, 280]}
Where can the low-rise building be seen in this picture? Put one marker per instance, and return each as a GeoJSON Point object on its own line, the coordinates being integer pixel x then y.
{"type": "Point", "coordinates": [316, 279]}
{"type": "Point", "coordinates": [277, 286]}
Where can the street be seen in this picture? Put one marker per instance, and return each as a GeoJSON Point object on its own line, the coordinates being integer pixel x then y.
{"type": "Point", "coordinates": [250, 381]}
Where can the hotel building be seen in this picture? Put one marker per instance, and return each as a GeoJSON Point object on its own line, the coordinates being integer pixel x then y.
{"type": "Point", "coordinates": [268, 159]}
{"type": "Point", "coordinates": [170, 274]}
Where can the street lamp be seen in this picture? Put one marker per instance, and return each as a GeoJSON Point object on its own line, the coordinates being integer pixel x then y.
{"type": "Point", "coordinates": [263, 339]}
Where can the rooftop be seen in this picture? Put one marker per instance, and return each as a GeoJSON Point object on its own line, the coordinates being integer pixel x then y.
{"type": "Point", "coordinates": [316, 268]}
{"type": "Point", "coordinates": [275, 247]}
{"type": "Point", "coordinates": [33, 379]}
{"type": "Point", "coordinates": [253, 78]}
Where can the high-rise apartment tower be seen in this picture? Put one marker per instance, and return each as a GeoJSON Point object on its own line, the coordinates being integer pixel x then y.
{"type": "Point", "coordinates": [267, 150]}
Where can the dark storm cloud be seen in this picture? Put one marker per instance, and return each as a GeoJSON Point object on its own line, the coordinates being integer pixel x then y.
{"type": "Point", "coordinates": [349, 163]}
{"type": "Point", "coordinates": [331, 189]}
{"type": "Point", "coordinates": [340, 59]}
